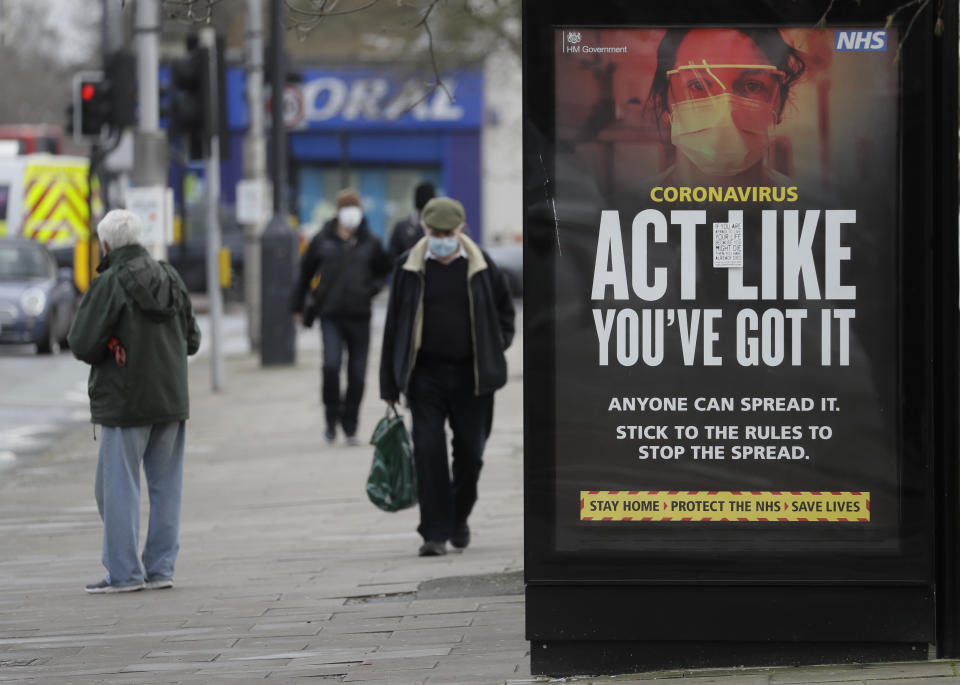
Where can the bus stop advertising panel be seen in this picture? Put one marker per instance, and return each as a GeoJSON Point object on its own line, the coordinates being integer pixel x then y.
{"type": "Point", "coordinates": [734, 217]}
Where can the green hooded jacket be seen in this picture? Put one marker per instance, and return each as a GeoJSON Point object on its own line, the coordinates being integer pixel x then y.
{"type": "Point", "coordinates": [144, 304]}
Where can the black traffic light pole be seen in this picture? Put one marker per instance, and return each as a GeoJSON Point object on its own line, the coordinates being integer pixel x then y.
{"type": "Point", "coordinates": [278, 243]}
{"type": "Point", "coordinates": [212, 134]}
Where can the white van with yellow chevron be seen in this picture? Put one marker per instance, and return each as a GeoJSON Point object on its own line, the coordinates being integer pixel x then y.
{"type": "Point", "coordinates": [44, 198]}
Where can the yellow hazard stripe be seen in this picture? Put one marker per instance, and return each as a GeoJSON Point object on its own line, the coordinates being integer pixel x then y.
{"type": "Point", "coordinates": [731, 506]}
{"type": "Point", "coordinates": [60, 192]}
{"type": "Point", "coordinates": [55, 205]}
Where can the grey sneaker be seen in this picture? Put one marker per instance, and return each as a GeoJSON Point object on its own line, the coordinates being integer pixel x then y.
{"type": "Point", "coordinates": [105, 588]}
{"type": "Point", "coordinates": [158, 583]}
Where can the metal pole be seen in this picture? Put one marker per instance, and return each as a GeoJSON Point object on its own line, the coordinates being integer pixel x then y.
{"type": "Point", "coordinates": [112, 28]}
{"type": "Point", "coordinates": [113, 190]}
{"type": "Point", "coordinates": [150, 143]}
{"type": "Point", "coordinates": [208, 39]}
{"type": "Point", "coordinates": [255, 168]}
{"type": "Point", "coordinates": [278, 132]}
{"type": "Point", "coordinates": [278, 243]}
{"type": "Point", "coordinates": [147, 30]}
{"type": "Point", "coordinates": [92, 240]}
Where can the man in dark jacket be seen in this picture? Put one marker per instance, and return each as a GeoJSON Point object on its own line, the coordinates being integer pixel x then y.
{"type": "Point", "coordinates": [343, 267]}
{"type": "Point", "coordinates": [135, 327]}
{"type": "Point", "coordinates": [449, 320]}
{"type": "Point", "coordinates": [408, 231]}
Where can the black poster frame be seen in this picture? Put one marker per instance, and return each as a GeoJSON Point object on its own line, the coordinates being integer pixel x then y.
{"type": "Point", "coordinates": [563, 588]}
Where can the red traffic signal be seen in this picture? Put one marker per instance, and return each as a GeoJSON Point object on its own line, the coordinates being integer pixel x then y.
{"type": "Point", "coordinates": [105, 99]}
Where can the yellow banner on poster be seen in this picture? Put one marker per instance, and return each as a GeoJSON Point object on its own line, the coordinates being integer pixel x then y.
{"type": "Point", "coordinates": [731, 506]}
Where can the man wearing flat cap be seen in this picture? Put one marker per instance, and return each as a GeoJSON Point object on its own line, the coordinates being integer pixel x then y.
{"type": "Point", "coordinates": [449, 320]}
{"type": "Point", "coordinates": [343, 267]}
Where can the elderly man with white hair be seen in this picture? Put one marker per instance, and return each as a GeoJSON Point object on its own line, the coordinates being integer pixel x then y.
{"type": "Point", "coordinates": [135, 327]}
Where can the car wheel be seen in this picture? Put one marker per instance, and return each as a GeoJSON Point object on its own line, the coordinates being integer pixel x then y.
{"type": "Point", "coordinates": [49, 344]}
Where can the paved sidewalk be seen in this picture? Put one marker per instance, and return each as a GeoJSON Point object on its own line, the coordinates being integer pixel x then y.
{"type": "Point", "coordinates": [286, 571]}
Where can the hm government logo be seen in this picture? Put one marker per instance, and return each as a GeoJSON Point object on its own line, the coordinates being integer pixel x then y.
{"type": "Point", "coordinates": [573, 45]}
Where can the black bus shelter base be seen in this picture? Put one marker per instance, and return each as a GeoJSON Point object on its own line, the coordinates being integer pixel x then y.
{"type": "Point", "coordinates": [579, 630]}
{"type": "Point", "coordinates": [567, 658]}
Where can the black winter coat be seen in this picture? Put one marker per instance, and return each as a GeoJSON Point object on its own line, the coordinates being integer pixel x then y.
{"type": "Point", "coordinates": [351, 284]}
{"type": "Point", "coordinates": [491, 321]}
{"type": "Point", "coordinates": [405, 235]}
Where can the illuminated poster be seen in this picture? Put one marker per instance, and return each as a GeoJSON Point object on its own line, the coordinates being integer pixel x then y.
{"type": "Point", "coordinates": [727, 290]}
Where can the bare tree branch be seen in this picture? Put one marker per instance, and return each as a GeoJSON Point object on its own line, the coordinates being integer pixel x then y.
{"type": "Point", "coordinates": [321, 11]}
{"type": "Point", "coordinates": [437, 81]}
{"type": "Point", "coordinates": [921, 5]}
{"type": "Point", "coordinates": [822, 22]}
{"type": "Point", "coordinates": [186, 11]}
{"type": "Point", "coordinates": [305, 19]}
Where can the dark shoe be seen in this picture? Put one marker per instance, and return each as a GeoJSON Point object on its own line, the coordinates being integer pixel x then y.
{"type": "Point", "coordinates": [330, 434]}
{"type": "Point", "coordinates": [105, 588]}
{"type": "Point", "coordinates": [158, 583]}
{"type": "Point", "coordinates": [432, 548]}
{"type": "Point", "coordinates": [461, 536]}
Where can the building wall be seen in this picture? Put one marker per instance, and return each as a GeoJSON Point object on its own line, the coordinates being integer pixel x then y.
{"type": "Point", "coordinates": [503, 149]}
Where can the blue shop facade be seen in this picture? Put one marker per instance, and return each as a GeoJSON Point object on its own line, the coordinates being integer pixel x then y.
{"type": "Point", "coordinates": [378, 130]}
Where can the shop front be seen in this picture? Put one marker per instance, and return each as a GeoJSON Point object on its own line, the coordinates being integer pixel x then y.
{"type": "Point", "coordinates": [381, 131]}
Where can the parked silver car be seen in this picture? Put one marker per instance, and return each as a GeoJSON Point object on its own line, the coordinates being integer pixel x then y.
{"type": "Point", "coordinates": [37, 300]}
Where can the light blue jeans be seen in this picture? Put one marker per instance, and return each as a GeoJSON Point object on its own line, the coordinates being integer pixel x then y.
{"type": "Point", "coordinates": [117, 490]}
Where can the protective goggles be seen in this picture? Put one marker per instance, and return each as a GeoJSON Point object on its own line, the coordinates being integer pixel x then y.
{"type": "Point", "coordinates": [760, 82]}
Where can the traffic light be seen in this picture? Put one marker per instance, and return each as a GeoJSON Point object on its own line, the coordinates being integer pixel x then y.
{"type": "Point", "coordinates": [196, 109]}
{"type": "Point", "coordinates": [217, 117]}
{"type": "Point", "coordinates": [188, 75]}
{"type": "Point", "coordinates": [104, 99]}
{"type": "Point", "coordinates": [121, 82]}
{"type": "Point", "coordinates": [91, 105]}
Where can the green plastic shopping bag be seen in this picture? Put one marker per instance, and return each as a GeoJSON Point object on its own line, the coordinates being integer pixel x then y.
{"type": "Point", "coordinates": [392, 483]}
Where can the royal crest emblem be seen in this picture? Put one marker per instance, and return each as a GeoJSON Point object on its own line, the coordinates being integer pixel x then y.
{"type": "Point", "coordinates": [573, 37]}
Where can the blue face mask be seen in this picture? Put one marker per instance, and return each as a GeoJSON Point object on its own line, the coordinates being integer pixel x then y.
{"type": "Point", "coordinates": [443, 247]}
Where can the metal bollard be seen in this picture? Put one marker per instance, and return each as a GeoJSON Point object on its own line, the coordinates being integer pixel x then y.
{"type": "Point", "coordinates": [278, 254]}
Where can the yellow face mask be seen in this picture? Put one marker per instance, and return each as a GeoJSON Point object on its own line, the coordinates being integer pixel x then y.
{"type": "Point", "coordinates": [723, 135]}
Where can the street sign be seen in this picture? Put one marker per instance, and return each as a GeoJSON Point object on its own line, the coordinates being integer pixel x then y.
{"type": "Point", "coordinates": [149, 204]}
{"type": "Point", "coordinates": [254, 201]}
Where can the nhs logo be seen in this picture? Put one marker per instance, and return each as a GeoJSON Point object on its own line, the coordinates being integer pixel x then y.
{"type": "Point", "coordinates": [860, 41]}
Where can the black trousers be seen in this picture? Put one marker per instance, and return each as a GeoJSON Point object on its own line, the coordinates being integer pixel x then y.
{"type": "Point", "coordinates": [439, 393]}
{"type": "Point", "coordinates": [354, 335]}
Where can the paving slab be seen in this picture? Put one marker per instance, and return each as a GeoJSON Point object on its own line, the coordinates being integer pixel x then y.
{"type": "Point", "coordinates": [862, 672]}
{"type": "Point", "coordinates": [424, 636]}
